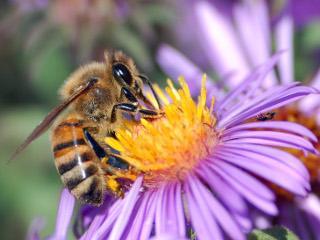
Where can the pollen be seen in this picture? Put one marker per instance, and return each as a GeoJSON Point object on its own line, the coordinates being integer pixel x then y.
{"type": "Point", "coordinates": [169, 147]}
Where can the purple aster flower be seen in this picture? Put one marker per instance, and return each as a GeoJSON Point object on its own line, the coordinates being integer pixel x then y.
{"type": "Point", "coordinates": [202, 165]}
{"type": "Point", "coordinates": [250, 29]}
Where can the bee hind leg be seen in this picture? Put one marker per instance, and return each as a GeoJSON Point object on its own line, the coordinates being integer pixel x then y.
{"type": "Point", "coordinates": [114, 186]}
{"type": "Point", "coordinates": [118, 174]}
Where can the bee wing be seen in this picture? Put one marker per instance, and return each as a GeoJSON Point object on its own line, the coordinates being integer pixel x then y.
{"type": "Point", "coordinates": [48, 120]}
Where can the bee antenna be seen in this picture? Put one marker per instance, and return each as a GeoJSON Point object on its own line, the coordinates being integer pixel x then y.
{"type": "Point", "coordinates": [146, 80]}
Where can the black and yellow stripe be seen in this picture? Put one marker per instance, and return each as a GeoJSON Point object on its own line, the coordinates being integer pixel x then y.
{"type": "Point", "coordinates": [77, 163]}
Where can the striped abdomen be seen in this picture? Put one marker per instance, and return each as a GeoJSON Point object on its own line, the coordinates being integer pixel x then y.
{"type": "Point", "coordinates": [77, 163]}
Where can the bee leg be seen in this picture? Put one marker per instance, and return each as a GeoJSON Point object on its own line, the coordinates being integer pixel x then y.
{"type": "Point", "coordinates": [116, 168]}
{"type": "Point", "coordinates": [127, 107]}
{"type": "Point", "coordinates": [99, 151]}
{"type": "Point", "coordinates": [146, 79]}
{"type": "Point", "coordinates": [127, 93]}
{"type": "Point", "coordinates": [132, 108]}
{"type": "Point", "coordinates": [113, 185]}
{"type": "Point", "coordinates": [147, 113]}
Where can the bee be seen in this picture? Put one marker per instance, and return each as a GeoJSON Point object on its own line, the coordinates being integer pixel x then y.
{"type": "Point", "coordinates": [266, 116]}
{"type": "Point", "coordinates": [95, 99]}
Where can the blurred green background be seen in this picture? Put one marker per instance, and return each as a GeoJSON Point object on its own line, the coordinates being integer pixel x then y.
{"type": "Point", "coordinates": [41, 43]}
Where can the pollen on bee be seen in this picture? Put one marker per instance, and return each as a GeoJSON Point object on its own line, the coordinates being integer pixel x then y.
{"type": "Point", "coordinates": [168, 148]}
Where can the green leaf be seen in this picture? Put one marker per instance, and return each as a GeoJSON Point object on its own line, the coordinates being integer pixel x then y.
{"type": "Point", "coordinates": [274, 233]}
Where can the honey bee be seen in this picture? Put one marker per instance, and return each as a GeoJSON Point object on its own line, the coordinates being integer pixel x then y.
{"type": "Point", "coordinates": [95, 98]}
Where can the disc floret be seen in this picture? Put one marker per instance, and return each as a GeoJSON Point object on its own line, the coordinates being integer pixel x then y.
{"type": "Point", "coordinates": [168, 148]}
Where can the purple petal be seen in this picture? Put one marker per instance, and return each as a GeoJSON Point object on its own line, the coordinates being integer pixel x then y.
{"type": "Point", "coordinates": [64, 215]}
{"type": "Point", "coordinates": [95, 231]}
{"type": "Point", "coordinates": [300, 224]}
{"type": "Point", "coordinates": [149, 218]}
{"type": "Point", "coordinates": [281, 156]}
{"type": "Point", "coordinates": [97, 221]}
{"type": "Point", "coordinates": [124, 215]}
{"type": "Point", "coordinates": [252, 109]}
{"type": "Point", "coordinates": [279, 125]}
{"type": "Point", "coordinates": [226, 194]}
{"type": "Point", "coordinates": [179, 210]}
{"type": "Point", "coordinates": [175, 65]}
{"type": "Point", "coordinates": [274, 138]}
{"type": "Point", "coordinates": [257, 75]}
{"type": "Point", "coordinates": [284, 41]}
{"type": "Point", "coordinates": [160, 210]}
{"type": "Point", "coordinates": [224, 219]}
{"type": "Point", "coordinates": [245, 103]}
{"type": "Point", "coordinates": [308, 105]}
{"type": "Point", "coordinates": [245, 179]}
{"type": "Point", "coordinates": [221, 43]}
{"type": "Point", "coordinates": [169, 212]}
{"type": "Point", "coordinates": [310, 206]}
{"type": "Point", "coordinates": [244, 222]}
{"type": "Point", "coordinates": [34, 230]}
{"type": "Point", "coordinates": [203, 223]}
{"type": "Point", "coordinates": [244, 189]}
{"type": "Point", "coordinates": [167, 236]}
{"type": "Point", "coordinates": [252, 20]}
{"type": "Point", "coordinates": [137, 223]}
{"type": "Point", "coordinates": [267, 168]}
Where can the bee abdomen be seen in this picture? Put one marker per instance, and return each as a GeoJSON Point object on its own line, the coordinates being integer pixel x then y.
{"type": "Point", "coordinates": [79, 173]}
{"type": "Point", "coordinates": [77, 163]}
{"type": "Point", "coordinates": [69, 161]}
{"type": "Point", "coordinates": [91, 190]}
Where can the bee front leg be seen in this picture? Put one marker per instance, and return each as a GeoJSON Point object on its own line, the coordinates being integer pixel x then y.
{"type": "Point", "coordinates": [132, 108]}
{"type": "Point", "coordinates": [126, 107]}
{"type": "Point", "coordinates": [146, 80]}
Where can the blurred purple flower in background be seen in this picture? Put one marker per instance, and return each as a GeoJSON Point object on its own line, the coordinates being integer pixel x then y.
{"type": "Point", "coordinates": [235, 44]}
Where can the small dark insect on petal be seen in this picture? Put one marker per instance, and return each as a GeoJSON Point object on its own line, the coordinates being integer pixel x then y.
{"type": "Point", "coordinates": [266, 116]}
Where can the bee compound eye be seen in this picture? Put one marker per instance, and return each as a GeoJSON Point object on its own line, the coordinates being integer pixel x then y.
{"type": "Point", "coordinates": [122, 73]}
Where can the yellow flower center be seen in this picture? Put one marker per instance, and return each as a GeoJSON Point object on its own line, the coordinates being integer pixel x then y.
{"type": "Point", "coordinates": [167, 148]}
